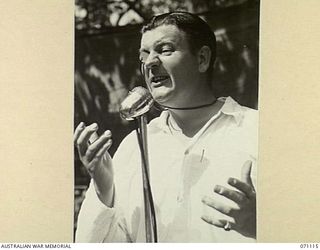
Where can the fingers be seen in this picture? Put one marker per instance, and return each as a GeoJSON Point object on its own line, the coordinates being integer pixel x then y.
{"type": "Point", "coordinates": [245, 173]}
{"type": "Point", "coordinates": [217, 222]}
{"type": "Point", "coordinates": [97, 145]}
{"type": "Point", "coordinates": [245, 188]}
{"type": "Point", "coordinates": [243, 213]}
{"type": "Point", "coordinates": [93, 137]}
{"type": "Point", "coordinates": [233, 195]}
{"type": "Point", "coordinates": [82, 141]}
{"type": "Point", "coordinates": [227, 210]}
{"type": "Point", "coordinates": [99, 155]}
{"type": "Point", "coordinates": [105, 147]}
{"type": "Point", "coordinates": [78, 131]}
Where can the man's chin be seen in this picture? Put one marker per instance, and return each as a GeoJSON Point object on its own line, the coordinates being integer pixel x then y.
{"type": "Point", "coordinates": [160, 98]}
{"type": "Point", "coordinates": [164, 95]}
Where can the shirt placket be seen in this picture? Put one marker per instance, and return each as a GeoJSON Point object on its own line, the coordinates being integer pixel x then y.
{"type": "Point", "coordinates": [187, 169]}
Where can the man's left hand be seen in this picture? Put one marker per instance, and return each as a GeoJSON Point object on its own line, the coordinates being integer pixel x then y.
{"type": "Point", "coordinates": [243, 214]}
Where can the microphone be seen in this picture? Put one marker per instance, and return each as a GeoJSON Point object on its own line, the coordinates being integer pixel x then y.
{"type": "Point", "coordinates": [138, 102]}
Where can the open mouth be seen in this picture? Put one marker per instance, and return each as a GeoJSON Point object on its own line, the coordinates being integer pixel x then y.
{"type": "Point", "coordinates": [159, 79]}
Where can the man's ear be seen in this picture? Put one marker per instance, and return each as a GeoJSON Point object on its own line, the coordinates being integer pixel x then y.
{"type": "Point", "coordinates": [204, 56]}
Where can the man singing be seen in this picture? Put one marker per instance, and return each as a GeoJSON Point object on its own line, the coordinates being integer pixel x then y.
{"type": "Point", "coordinates": [202, 150]}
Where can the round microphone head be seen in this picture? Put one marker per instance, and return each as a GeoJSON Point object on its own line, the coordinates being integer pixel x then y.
{"type": "Point", "coordinates": [138, 102]}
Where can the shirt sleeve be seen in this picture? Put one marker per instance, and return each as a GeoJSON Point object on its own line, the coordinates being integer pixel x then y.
{"type": "Point", "coordinates": [99, 223]}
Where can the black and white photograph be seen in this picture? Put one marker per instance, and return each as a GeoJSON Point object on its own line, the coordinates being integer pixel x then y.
{"type": "Point", "coordinates": [166, 121]}
{"type": "Point", "coordinates": [158, 121]}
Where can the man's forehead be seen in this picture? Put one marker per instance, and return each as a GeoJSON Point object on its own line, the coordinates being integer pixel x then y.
{"type": "Point", "coordinates": [163, 33]}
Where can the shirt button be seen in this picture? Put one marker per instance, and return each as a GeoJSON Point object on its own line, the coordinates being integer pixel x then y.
{"type": "Point", "coordinates": [186, 152]}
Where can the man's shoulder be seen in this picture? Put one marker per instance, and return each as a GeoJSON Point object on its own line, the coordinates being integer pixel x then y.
{"type": "Point", "coordinates": [243, 114]}
{"type": "Point", "coordinates": [159, 123]}
{"type": "Point", "coordinates": [250, 112]}
{"type": "Point", "coordinates": [250, 117]}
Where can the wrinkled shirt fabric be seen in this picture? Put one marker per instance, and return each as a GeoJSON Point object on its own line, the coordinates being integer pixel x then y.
{"type": "Point", "coordinates": [182, 171]}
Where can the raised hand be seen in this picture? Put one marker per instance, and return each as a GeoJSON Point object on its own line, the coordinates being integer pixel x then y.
{"type": "Point", "coordinates": [93, 153]}
{"type": "Point", "coordinates": [243, 214]}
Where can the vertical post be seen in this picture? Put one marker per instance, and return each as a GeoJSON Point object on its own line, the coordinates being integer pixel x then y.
{"type": "Point", "coordinates": [148, 202]}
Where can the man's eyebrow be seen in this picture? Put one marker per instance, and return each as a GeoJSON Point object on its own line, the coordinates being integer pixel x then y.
{"type": "Point", "coordinates": [143, 50]}
{"type": "Point", "coordinates": [161, 43]}
{"type": "Point", "coordinates": [157, 44]}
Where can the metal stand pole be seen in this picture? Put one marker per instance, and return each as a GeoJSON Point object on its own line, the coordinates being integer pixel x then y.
{"type": "Point", "coordinates": [150, 219]}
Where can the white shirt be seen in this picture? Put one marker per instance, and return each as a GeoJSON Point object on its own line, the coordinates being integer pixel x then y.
{"type": "Point", "coordinates": [182, 171]}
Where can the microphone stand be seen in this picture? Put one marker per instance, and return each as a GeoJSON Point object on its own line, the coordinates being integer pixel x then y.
{"type": "Point", "coordinates": [150, 217]}
{"type": "Point", "coordinates": [134, 107]}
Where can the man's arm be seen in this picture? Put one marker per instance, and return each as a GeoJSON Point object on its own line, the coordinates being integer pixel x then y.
{"type": "Point", "coordinates": [97, 220]}
{"type": "Point", "coordinates": [98, 223]}
{"type": "Point", "coordinates": [100, 218]}
{"type": "Point", "coordinates": [93, 153]}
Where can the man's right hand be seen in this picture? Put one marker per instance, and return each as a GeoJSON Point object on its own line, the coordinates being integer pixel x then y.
{"type": "Point", "coordinates": [93, 153]}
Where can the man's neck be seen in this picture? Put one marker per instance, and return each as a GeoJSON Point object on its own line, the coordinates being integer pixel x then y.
{"type": "Point", "coordinates": [191, 121]}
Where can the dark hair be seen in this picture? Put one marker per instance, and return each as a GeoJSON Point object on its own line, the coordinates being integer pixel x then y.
{"type": "Point", "coordinates": [198, 32]}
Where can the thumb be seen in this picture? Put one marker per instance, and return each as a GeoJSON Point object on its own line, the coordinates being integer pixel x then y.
{"type": "Point", "coordinates": [245, 173]}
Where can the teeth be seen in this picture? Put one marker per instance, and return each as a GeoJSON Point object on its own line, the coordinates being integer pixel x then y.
{"type": "Point", "coordinates": [159, 78]}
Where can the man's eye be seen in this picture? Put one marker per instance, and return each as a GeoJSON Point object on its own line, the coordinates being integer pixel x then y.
{"type": "Point", "coordinates": [166, 51]}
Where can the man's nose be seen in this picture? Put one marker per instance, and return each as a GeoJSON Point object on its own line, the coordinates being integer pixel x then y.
{"type": "Point", "coordinates": [152, 61]}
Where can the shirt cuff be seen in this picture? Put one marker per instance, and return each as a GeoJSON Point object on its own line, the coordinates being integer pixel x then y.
{"type": "Point", "coordinates": [92, 197]}
{"type": "Point", "coordinates": [95, 218]}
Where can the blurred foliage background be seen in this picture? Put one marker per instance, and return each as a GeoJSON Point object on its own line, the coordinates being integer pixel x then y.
{"type": "Point", "coordinates": [107, 38]}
